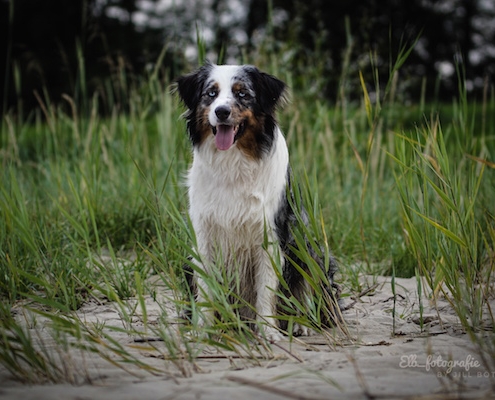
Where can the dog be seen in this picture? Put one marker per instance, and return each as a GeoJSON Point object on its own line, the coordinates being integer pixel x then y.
{"type": "Point", "coordinates": [239, 187]}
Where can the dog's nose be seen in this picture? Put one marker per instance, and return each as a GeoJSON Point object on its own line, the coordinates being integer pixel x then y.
{"type": "Point", "coordinates": [222, 112]}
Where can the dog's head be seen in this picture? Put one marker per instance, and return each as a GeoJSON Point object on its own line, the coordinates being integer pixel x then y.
{"type": "Point", "coordinates": [234, 104]}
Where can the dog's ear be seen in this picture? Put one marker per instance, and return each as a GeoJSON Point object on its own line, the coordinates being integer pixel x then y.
{"type": "Point", "coordinates": [269, 90]}
{"type": "Point", "coordinates": [190, 86]}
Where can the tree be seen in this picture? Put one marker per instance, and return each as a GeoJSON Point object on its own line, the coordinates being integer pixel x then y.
{"type": "Point", "coordinates": [43, 44]}
{"type": "Point", "coordinates": [448, 30]}
{"type": "Point", "coordinates": [53, 46]}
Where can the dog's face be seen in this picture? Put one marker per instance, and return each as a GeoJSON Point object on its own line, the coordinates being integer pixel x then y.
{"type": "Point", "coordinates": [234, 104]}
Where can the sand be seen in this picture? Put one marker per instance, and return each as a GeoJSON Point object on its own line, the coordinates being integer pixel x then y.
{"type": "Point", "coordinates": [436, 362]}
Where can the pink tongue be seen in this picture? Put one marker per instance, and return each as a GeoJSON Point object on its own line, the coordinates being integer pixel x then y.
{"type": "Point", "coordinates": [224, 138]}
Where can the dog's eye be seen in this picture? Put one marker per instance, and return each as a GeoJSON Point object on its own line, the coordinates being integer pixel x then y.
{"type": "Point", "coordinates": [212, 93]}
{"type": "Point", "coordinates": [241, 94]}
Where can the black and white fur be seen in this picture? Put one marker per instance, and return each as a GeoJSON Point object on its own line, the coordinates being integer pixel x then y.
{"type": "Point", "coordinates": [238, 187]}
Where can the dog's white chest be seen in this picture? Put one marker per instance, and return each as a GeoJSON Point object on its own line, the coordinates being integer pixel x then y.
{"type": "Point", "coordinates": [227, 195]}
{"type": "Point", "coordinates": [234, 198]}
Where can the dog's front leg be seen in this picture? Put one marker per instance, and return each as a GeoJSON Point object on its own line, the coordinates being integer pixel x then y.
{"type": "Point", "coordinates": [203, 299]}
{"type": "Point", "coordinates": [266, 299]}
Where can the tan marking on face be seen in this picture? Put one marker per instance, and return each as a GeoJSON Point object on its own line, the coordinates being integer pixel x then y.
{"type": "Point", "coordinates": [203, 127]}
{"type": "Point", "coordinates": [238, 87]}
{"type": "Point", "coordinates": [247, 143]}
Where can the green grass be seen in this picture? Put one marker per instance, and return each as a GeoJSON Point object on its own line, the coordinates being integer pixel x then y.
{"type": "Point", "coordinates": [91, 206]}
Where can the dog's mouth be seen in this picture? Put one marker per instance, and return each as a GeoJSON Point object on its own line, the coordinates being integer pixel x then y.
{"type": "Point", "coordinates": [226, 135]}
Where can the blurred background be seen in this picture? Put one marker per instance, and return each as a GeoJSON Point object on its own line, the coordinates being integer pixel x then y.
{"type": "Point", "coordinates": [46, 47]}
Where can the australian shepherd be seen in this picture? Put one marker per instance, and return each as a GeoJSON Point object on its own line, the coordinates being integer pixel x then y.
{"type": "Point", "coordinates": [239, 192]}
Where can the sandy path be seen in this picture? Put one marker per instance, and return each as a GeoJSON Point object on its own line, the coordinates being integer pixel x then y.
{"type": "Point", "coordinates": [412, 364]}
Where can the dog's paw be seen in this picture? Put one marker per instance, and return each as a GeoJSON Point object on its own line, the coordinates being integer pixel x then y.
{"type": "Point", "coordinates": [301, 330]}
{"type": "Point", "coordinates": [205, 318]}
{"type": "Point", "coordinates": [272, 335]}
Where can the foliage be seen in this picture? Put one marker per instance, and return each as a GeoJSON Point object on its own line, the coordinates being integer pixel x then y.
{"type": "Point", "coordinates": [124, 38]}
{"type": "Point", "coordinates": [446, 32]}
